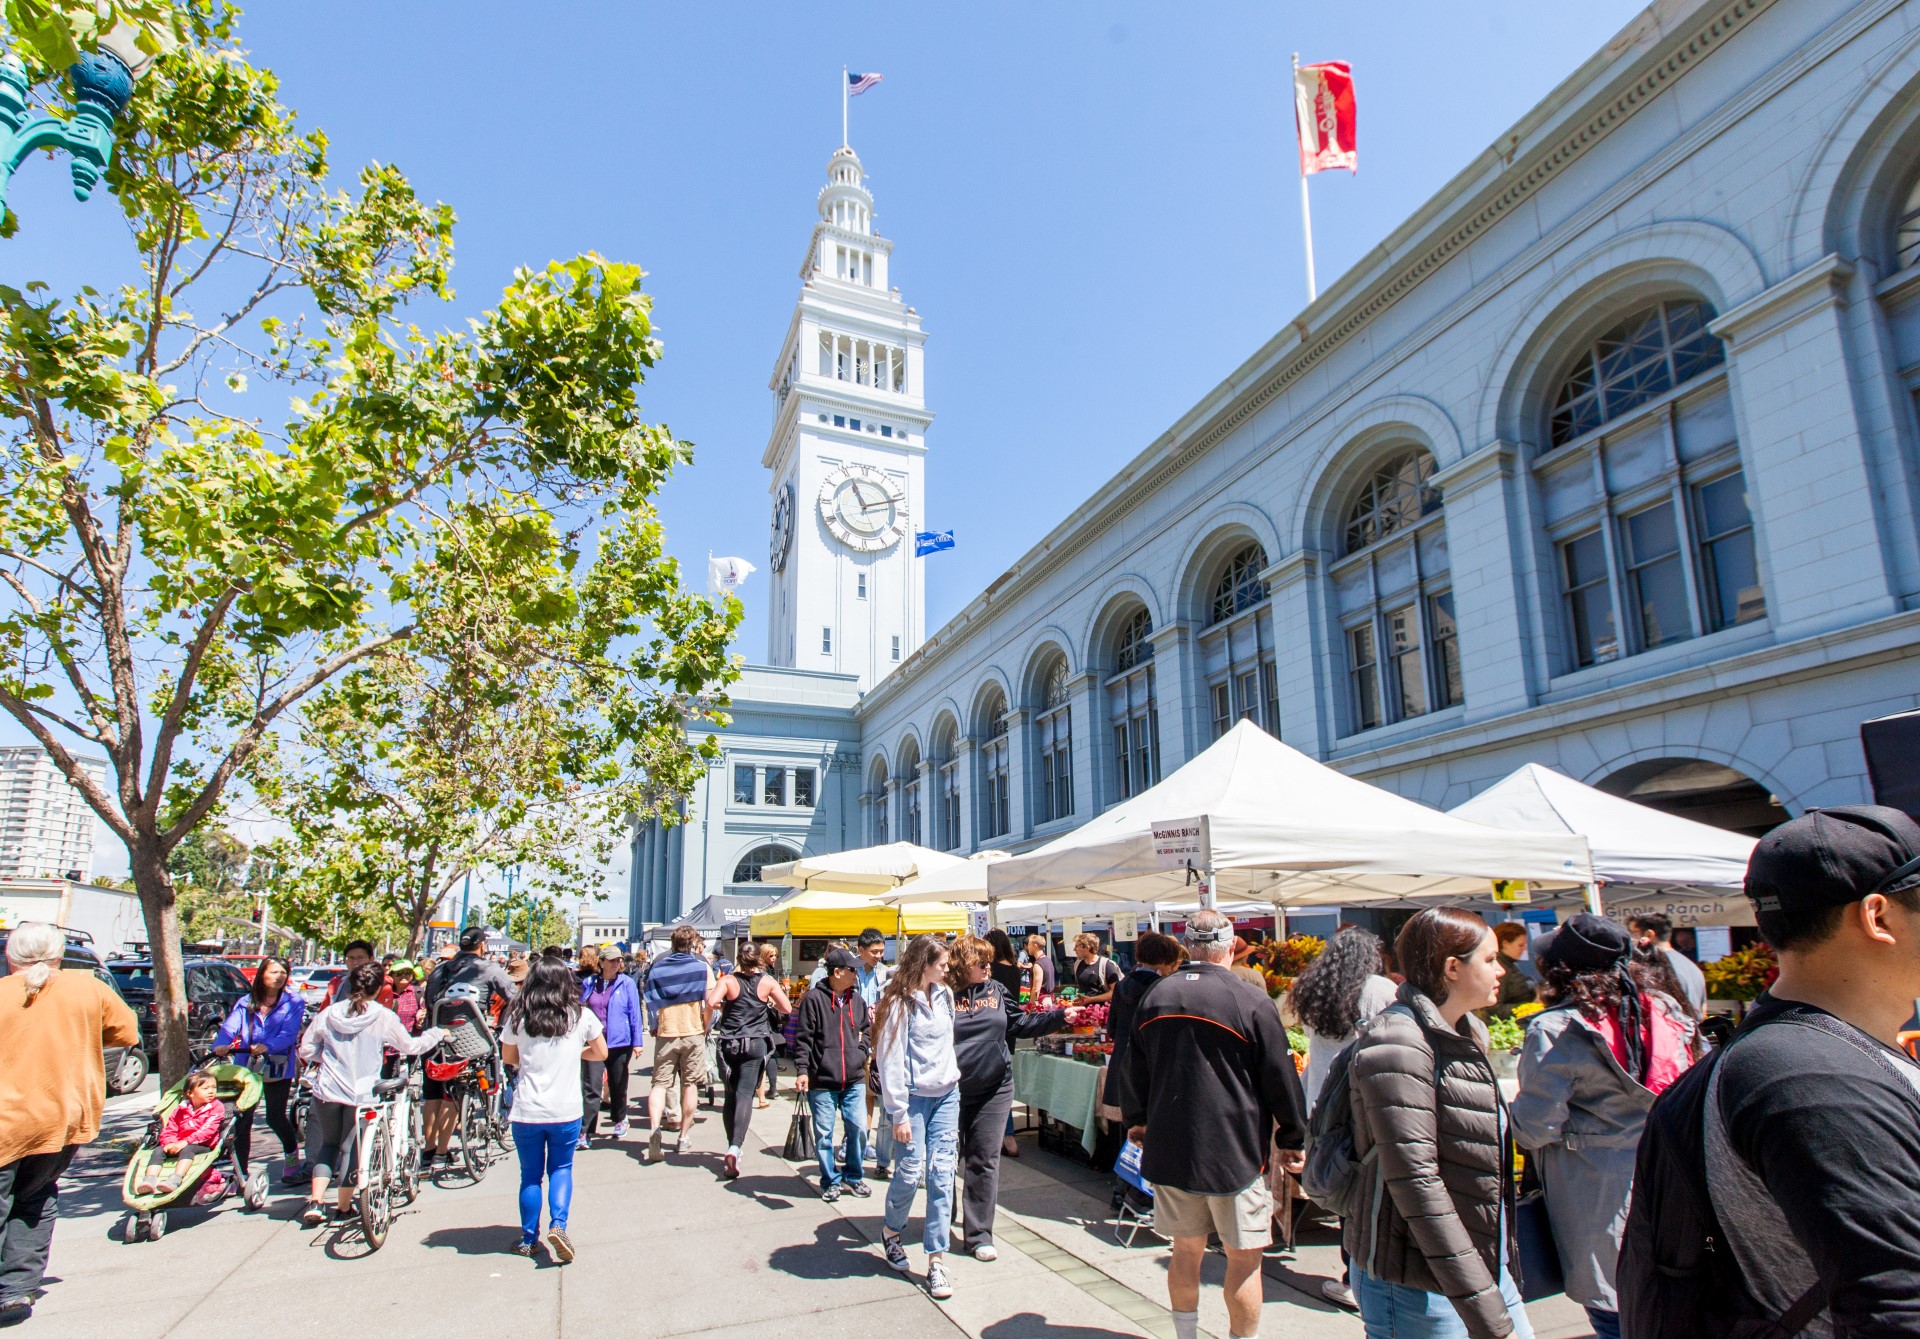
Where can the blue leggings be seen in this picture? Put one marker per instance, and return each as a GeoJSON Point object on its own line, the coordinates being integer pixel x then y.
{"type": "Point", "coordinates": [546, 1150]}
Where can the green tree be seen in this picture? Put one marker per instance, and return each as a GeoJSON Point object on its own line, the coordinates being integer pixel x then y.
{"type": "Point", "coordinates": [209, 872]}
{"type": "Point", "coordinates": [534, 921]}
{"type": "Point", "coordinates": [56, 31]}
{"type": "Point", "coordinates": [178, 577]}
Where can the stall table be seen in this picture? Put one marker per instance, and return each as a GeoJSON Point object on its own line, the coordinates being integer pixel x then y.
{"type": "Point", "coordinates": [1067, 1090]}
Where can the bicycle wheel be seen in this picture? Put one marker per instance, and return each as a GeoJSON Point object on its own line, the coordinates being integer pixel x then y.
{"type": "Point", "coordinates": [502, 1123]}
{"type": "Point", "coordinates": [376, 1195]}
{"type": "Point", "coordinates": [474, 1134]}
{"type": "Point", "coordinates": [409, 1161]}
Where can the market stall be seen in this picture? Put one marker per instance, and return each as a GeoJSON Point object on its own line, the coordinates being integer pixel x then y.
{"type": "Point", "coordinates": [863, 870]}
{"type": "Point", "coordinates": [1644, 860]}
{"type": "Point", "coordinates": [1262, 822]}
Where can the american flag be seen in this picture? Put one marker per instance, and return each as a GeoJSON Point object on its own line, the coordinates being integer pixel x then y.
{"type": "Point", "coordinates": [860, 83]}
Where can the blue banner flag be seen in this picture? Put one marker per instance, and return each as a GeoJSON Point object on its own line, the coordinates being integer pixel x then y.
{"type": "Point", "coordinates": [931, 541]}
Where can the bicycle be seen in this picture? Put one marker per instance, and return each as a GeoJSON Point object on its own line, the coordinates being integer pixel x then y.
{"type": "Point", "coordinates": [473, 1089]}
{"type": "Point", "coordinates": [390, 1138]}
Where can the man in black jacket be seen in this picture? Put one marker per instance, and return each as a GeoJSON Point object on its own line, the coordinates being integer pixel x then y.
{"type": "Point", "coordinates": [830, 1060]}
{"type": "Point", "coordinates": [1210, 1080]}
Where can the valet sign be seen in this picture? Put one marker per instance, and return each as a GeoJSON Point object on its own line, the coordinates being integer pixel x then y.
{"type": "Point", "coordinates": [1180, 842]}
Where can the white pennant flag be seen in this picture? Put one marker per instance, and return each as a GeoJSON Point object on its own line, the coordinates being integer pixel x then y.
{"type": "Point", "coordinates": [725, 574]}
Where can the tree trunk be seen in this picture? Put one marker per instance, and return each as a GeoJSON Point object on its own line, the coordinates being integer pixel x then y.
{"type": "Point", "coordinates": [155, 886]}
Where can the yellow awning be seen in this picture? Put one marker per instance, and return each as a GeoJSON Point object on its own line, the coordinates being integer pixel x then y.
{"type": "Point", "coordinates": [821, 915]}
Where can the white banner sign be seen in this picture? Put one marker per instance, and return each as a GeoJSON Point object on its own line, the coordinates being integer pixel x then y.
{"type": "Point", "coordinates": [1069, 928]}
{"type": "Point", "coordinates": [1126, 927]}
{"type": "Point", "coordinates": [979, 923]}
{"type": "Point", "coordinates": [1180, 842]}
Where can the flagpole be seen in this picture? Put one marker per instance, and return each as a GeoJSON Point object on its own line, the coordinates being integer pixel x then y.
{"type": "Point", "coordinates": [843, 106]}
{"type": "Point", "coordinates": [1306, 209]}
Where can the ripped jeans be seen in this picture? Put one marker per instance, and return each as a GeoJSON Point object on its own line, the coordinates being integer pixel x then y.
{"type": "Point", "coordinates": [934, 1151]}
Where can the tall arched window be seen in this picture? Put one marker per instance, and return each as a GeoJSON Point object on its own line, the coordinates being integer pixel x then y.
{"type": "Point", "coordinates": [1133, 714]}
{"type": "Point", "coordinates": [877, 801]}
{"type": "Point", "coordinates": [1641, 487]}
{"type": "Point", "coordinates": [1906, 229]}
{"type": "Point", "coordinates": [1053, 735]}
{"type": "Point", "coordinates": [748, 870]}
{"type": "Point", "coordinates": [1236, 649]}
{"type": "Point", "coordinates": [946, 817]}
{"type": "Point", "coordinates": [910, 792]}
{"type": "Point", "coordinates": [996, 805]}
{"type": "Point", "coordinates": [1394, 598]}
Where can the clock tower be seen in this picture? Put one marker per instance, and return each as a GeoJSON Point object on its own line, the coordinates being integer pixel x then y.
{"type": "Point", "coordinates": [846, 452]}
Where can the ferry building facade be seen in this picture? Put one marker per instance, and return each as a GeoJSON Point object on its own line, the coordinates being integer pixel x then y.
{"type": "Point", "coordinates": [1608, 458]}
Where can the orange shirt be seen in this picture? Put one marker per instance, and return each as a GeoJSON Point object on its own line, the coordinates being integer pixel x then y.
{"type": "Point", "coordinates": [53, 1079]}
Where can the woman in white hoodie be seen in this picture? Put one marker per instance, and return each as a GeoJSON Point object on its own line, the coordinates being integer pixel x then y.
{"type": "Point", "coordinates": [346, 1043]}
{"type": "Point", "coordinates": [920, 1091]}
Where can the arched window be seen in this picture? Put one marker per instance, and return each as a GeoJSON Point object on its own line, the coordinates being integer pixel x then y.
{"type": "Point", "coordinates": [877, 799]}
{"type": "Point", "coordinates": [1133, 714]}
{"type": "Point", "coordinates": [1136, 642]}
{"type": "Point", "coordinates": [1397, 496]}
{"type": "Point", "coordinates": [1236, 649]}
{"type": "Point", "coordinates": [1906, 231]}
{"type": "Point", "coordinates": [1239, 586]}
{"type": "Point", "coordinates": [1053, 732]}
{"type": "Point", "coordinates": [1394, 599]}
{"type": "Point", "coordinates": [996, 805]}
{"type": "Point", "coordinates": [1642, 489]}
{"type": "Point", "coordinates": [910, 792]}
{"type": "Point", "coordinates": [748, 870]}
{"type": "Point", "coordinates": [946, 818]}
{"type": "Point", "coordinates": [1640, 359]}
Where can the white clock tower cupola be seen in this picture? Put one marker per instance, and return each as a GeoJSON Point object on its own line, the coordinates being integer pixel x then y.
{"type": "Point", "coordinates": [847, 451]}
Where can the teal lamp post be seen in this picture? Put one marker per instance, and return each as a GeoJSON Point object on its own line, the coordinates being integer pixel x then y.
{"type": "Point", "coordinates": [102, 82]}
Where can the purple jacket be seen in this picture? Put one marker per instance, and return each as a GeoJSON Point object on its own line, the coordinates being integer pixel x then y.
{"type": "Point", "coordinates": [616, 1004]}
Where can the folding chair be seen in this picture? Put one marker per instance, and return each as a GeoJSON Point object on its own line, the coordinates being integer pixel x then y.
{"type": "Point", "coordinates": [1129, 1218]}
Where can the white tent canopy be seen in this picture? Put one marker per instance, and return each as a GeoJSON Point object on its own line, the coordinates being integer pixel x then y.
{"type": "Point", "coordinates": [1647, 859]}
{"type": "Point", "coordinates": [962, 881]}
{"type": "Point", "coordinates": [1275, 826]}
{"type": "Point", "coordinates": [866, 869]}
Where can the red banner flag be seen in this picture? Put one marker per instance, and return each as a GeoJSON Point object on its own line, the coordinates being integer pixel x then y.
{"type": "Point", "coordinates": [1323, 112]}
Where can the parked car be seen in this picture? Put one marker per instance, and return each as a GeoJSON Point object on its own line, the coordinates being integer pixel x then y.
{"type": "Point", "coordinates": [311, 982]}
{"type": "Point", "coordinates": [213, 984]}
{"type": "Point", "coordinates": [248, 963]}
{"type": "Point", "coordinates": [126, 1065]}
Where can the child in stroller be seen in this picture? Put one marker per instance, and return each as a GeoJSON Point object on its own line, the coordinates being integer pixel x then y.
{"type": "Point", "coordinates": [191, 1129]}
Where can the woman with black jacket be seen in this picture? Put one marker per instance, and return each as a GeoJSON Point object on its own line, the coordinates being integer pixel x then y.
{"type": "Point", "coordinates": [986, 1021]}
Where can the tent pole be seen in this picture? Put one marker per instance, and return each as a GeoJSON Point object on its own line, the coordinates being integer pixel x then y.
{"type": "Point", "coordinates": [1208, 898]}
{"type": "Point", "coordinates": [1593, 899]}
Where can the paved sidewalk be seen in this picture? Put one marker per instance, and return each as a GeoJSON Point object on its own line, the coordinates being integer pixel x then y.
{"type": "Point", "coordinates": [665, 1251]}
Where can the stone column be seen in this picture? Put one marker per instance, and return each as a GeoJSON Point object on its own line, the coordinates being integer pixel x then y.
{"type": "Point", "coordinates": [890, 797]}
{"type": "Point", "coordinates": [964, 761]}
{"type": "Point", "coordinates": [1294, 587]}
{"type": "Point", "coordinates": [1019, 769]}
{"type": "Point", "coordinates": [1804, 449]}
{"type": "Point", "coordinates": [929, 777]}
{"type": "Point", "coordinates": [1491, 561]}
{"type": "Point", "coordinates": [1089, 729]}
{"type": "Point", "coordinates": [1177, 694]}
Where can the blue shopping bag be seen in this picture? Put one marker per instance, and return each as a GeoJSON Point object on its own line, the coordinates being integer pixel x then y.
{"type": "Point", "coordinates": [1127, 1167]}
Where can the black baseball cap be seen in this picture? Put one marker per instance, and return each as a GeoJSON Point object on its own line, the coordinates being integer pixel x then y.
{"type": "Point", "coordinates": [1830, 857]}
{"type": "Point", "coordinates": [1586, 943]}
{"type": "Point", "coordinates": [473, 937]}
{"type": "Point", "coordinates": [839, 957]}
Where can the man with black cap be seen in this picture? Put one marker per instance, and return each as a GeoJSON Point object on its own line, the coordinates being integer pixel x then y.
{"type": "Point", "coordinates": [488, 979]}
{"type": "Point", "coordinates": [830, 1061]}
{"type": "Point", "coordinates": [1810, 1118]}
{"type": "Point", "coordinates": [1210, 1081]}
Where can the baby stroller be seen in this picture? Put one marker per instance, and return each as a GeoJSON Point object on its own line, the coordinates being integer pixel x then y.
{"type": "Point", "coordinates": [240, 1089]}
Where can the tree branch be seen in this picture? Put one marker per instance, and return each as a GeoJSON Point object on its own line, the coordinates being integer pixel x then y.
{"type": "Point", "coordinates": [81, 779]}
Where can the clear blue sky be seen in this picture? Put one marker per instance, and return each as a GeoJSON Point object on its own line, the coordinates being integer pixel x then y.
{"type": "Point", "coordinates": [1094, 205]}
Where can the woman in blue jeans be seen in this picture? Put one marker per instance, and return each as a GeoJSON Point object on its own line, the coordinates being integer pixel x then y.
{"type": "Point", "coordinates": [547, 1033]}
{"type": "Point", "coordinates": [920, 1099]}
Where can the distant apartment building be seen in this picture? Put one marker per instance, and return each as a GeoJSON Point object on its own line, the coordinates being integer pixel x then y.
{"type": "Point", "coordinates": [46, 828]}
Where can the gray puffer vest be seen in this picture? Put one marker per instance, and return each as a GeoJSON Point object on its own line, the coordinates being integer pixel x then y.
{"type": "Point", "coordinates": [1426, 1096]}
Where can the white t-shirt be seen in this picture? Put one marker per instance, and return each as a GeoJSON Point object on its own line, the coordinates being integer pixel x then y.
{"type": "Point", "coordinates": [548, 1089]}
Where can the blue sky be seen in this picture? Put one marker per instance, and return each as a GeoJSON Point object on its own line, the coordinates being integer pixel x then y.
{"type": "Point", "coordinates": [1094, 206]}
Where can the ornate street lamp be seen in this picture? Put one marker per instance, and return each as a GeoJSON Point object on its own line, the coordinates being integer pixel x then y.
{"type": "Point", "coordinates": [102, 83]}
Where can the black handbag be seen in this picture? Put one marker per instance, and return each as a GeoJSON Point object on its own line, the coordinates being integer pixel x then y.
{"type": "Point", "coordinates": [799, 1146]}
{"type": "Point", "coordinates": [1538, 1253]}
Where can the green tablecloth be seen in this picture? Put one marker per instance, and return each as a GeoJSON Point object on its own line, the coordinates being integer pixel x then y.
{"type": "Point", "coordinates": [1067, 1090]}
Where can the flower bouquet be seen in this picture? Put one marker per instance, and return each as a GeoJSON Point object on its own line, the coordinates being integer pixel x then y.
{"type": "Point", "coordinates": [1742, 974]}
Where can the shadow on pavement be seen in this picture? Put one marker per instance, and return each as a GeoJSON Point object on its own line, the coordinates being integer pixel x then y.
{"type": "Point", "coordinates": [487, 1239]}
{"type": "Point", "coordinates": [838, 1251]}
{"type": "Point", "coordinates": [1032, 1325]}
{"type": "Point", "coordinates": [761, 1189]}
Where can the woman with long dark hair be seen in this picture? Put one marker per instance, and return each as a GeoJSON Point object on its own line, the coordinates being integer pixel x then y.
{"type": "Point", "coordinates": [1610, 1041]}
{"type": "Point", "coordinates": [1431, 1262]}
{"type": "Point", "coordinates": [1005, 967]}
{"type": "Point", "coordinates": [920, 1091]}
{"type": "Point", "coordinates": [265, 1027]}
{"type": "Point", "coordinates": [751, 1000]}
{"type": "Point", "coordinates": [1339, 990]}
{"type": "Point", "coordinates": [547, 1032]}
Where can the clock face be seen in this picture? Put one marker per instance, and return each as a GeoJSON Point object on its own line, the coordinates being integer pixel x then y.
{"type": "Point", "coordinates": [864, 508]}
{"type": "Point", "coordinates": [780, 540]}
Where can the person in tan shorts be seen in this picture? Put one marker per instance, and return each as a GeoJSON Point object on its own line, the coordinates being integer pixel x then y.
{"type": "Point", "coordinates": [680, 1001]}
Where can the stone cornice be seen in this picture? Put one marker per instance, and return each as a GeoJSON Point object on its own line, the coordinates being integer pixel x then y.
{"type": "Point", "coordinates": [1296, 567]}
{"type": "Point", "coordinates": [1495, 460]}
{"type": "Point", "coordinates": [1821, 284]}
{"type": "Point", "coordinates": [1170, 635]}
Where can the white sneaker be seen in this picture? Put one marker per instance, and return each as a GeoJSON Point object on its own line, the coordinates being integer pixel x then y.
{"type": "Point", "coordinates": [985, 1253]}
{"type": "Point", "coordinates": [939, 1286]}
{"type": "Point", "coordinates": [1339, 1294]}
{"type": "Point", "coordinates": [619, 1130]}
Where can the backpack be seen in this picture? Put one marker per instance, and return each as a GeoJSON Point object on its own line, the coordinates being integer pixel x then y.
{"type": "Point", "coordinates": [1333, 1178]}
{"type": "Point", "coordinates": [1677, 1277]}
